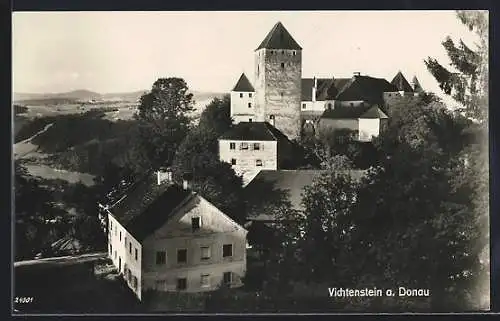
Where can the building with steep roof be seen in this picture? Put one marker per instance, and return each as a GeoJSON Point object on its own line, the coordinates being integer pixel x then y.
{"type": "Point", "coordinates": [294, 104]}
{"type": "Point", "coordinates": [165, 237]}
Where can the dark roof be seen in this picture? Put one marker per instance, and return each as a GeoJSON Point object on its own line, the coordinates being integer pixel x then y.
{"type": "Point", "coordinates": [416, 85]}
{"type": "Point", "coordinates": [147, 205]}
{"type": "Point", "coordinates": [291, 181]}
{"type": "Point", "coordinates": [365, 88]}
{"type": "Point", "coordinates": [327, 89]}
{"type": "Point", "coordinates": [401, 83]}
{"type": "Point", "coordinates": [345, 112]}
{"type": "Point", "coordinates": [243, 84]}
{"type": "Point", "coordinates": [279, 38]}
{"type": "Point", "coordinates": [262, 131]}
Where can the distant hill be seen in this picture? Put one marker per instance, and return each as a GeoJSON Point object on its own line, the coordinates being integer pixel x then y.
{"type": "Point", "coordinates": [77, 96]}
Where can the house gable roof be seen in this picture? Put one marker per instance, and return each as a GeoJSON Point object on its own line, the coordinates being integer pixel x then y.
{"type": "Point", "coordinates": [289, 182]}
{"type": "Point", "coordinates": [327, 89]}
{"type": "Point", "coordinates": [355, 112]}
{"type": "Point", "coordinates": [401, 83]}
{"type": "Point", "coordinates": [254, 131]}
{"type": "Point", "coordinates": [365, 88]}
{"type": "Point", "coordinates": [279, 38]}
{"type": "Point", "coordinates": [243, 84]}
{"type": "Point", "coordinates": [145, 206]}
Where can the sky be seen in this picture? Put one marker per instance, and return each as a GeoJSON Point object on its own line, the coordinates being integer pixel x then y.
{"type": "Point", "coordinates": [127, 51]}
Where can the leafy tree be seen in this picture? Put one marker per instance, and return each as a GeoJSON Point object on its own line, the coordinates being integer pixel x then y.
{"type": "Point", "coordinates": [164, 120]}
{"type": "Point", "coordinates": [468, 82]}
{"type": "Point", "coordinates": [213, 179]}
{"type": "Point", "coordinates": [216, 117]}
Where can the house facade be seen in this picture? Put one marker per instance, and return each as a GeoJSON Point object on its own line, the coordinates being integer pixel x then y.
{"type": "Point", "coordinates": [254, 146]}
{"type": "Point", "coordinates": [164, 237]}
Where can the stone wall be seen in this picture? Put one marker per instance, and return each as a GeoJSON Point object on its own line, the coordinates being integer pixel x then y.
{"type": "Point", "coordinates": [278, 89]}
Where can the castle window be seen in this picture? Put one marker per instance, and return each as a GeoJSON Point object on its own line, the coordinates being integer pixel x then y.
{"type": "Point", "coordinates": [282, 65]}
{"type": "Point", "coordinates": [258, 162]}
{"type": "Point", "coordinates": [241, 95]}
{"type": "Point", "coordinates": [233, 161]}
{"type": "Point", "coordinates": [294, 52]}
{"type": "Point", "coordinates": [303, 106]}
{"type": "Point", "coordinates": [249, 120]}
{"type": "Point", "coordinates": [232, 145]}
{"type": "Point", "coordinates": [250, 95]}
{"type": "Point", "coordinates": [249, 105]}
{"type": "Point", "coordinates": [271, 116]}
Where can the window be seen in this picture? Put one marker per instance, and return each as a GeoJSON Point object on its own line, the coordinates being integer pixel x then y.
{"type": "Point", "coordinates": [281, 94]}
{"type": "Point", "coordinates": [303, 106]}
{"type": "Point", "coordinates": [129, 275]}
{"type": "Point", "coordinates": [205, 252]}
{"type": "Point", "coordinates": [110, 249]}
{"type": "Point", "coordinates": [125, 241]}
{"type": "Point", "coordinates": [244, 146]}
{"type": "Point", "coordinates": [130, 247]}
{"type": "Point", "coordinates": [258, 69]}
{"type": "Point", "coordinates": [282, 65]}
{"type": "Point", "coordinates": [226, 277]}
{"type": "Point", "coordinates": [249, 105]}
{"type": "Point", "coordinates": [271, 117]}
{"type": "Point", "coordinates": [134, 283]}
{"type": "Point", "coordinates": [161, 284]}
{"type": "Point", "coordinates": [352, 104]}
{"type": "Point", "coordinates": [227, 250]}
{"type": "Point", "coordinates": [195, 223]}
{"type": "Point", "coordinates": [294, 52]}
{"type": "Point", "coordinates": [181, 284]}
{"type": "Point", "coordinates": [182, 256]}
{"type": "Point", "coordinates": [161, 257]}
{"type": "Point", "coordinates": [250, 95]}
{"type": "Point", "coordinates": [120, 236]}
{"type": "Point", "coordinates": [115, 254]}
{"type": "Point", "coordinates": [258, 162]}
{"type": "Point", "coordinates": [329, 105]}
{"type": "Point", "coordinates": [136, 254]}
{"type": "Point", "coordinates": [256, 146]}
{"type": "Point", "coordinates": [241, 95]}
{"type": "Point", "coordinates": [249, 120]}
{"type": "Point", "coordinates": [232, 145]}
{"type": "Point", "coordinates": [233, 161]}
{"type": "Point", "coordinates": [205, 280]}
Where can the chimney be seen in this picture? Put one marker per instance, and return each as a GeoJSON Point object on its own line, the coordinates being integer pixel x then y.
{"type": "Point", "coordinates": [163, 175]}
{"type": "Point", "coordinates": [186, 181]}
{"type": "Point", "coordinates": [314, 89]}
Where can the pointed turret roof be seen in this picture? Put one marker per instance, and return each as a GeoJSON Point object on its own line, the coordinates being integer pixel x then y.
{"type": "Point", "coordinates": [401, 83]}
{"type": "Point", "coordinates": [243, 84]}
{"type": "Point", "coordinates": [279, 38]}
{"type": "Point", "coordinates": [416, 85]}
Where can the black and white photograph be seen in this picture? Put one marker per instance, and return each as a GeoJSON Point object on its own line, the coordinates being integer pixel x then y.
{"type": "Point", "coordinates": [203, 162]}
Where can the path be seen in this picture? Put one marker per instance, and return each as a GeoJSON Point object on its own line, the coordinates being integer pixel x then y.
{"type": "Point", "coordinates": [26, 144]}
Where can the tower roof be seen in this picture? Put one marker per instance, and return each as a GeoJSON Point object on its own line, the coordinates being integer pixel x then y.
{"type": "Point", "coordinates": [243, 84]}
{"type": "Point", "coordinates": [416, 85]}
{"type": "Point", "coordinates": [279, 38]}
{"type": "Point", "coordinates": [401, 83]}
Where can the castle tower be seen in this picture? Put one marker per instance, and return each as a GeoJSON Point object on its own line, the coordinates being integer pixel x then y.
{"type": "Point", "coordinates": [278, 73]}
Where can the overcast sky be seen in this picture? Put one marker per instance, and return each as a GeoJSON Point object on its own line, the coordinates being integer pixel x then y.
{"type": "Point", "coordinates": [127, 51]}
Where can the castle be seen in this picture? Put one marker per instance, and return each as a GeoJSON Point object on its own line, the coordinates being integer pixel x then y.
{"type": "Point", "coordinates": [296, 106]}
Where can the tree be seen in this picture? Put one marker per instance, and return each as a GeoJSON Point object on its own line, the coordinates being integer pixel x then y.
{"type": "Point", "coordinates": [164, 120]}
{"type": "Point", "coordinates": [468, 85]}
{"type": "Point", "coordinates": [216, 117]}
{"type": "Point", "coordinates": [213, 179]}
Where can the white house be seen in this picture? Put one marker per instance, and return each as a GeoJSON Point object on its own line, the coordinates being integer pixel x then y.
{"type": "Point", "coordinates": [243, 101]}
{"type": "Point", "coordinates": [253, 146]}
{"type": "Point", "coordinates": [165, 237]}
